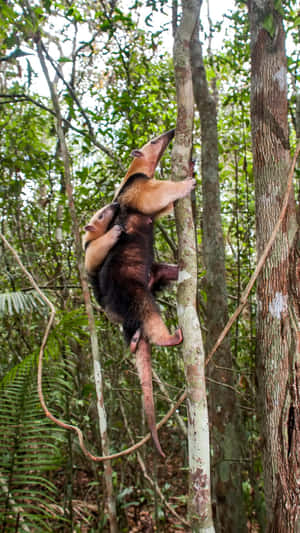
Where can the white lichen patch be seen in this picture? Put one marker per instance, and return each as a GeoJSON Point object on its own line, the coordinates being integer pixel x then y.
{"type": "Point", "coordinates": [189, 317]}
{"type": "Point", "coordinates": [280, 77]}
{"type": "Point", "coordinates": [183, 275]}
{"type": "Point", "coordinates": [260, 4]}
{"type": "Point", "coordinates": [278, 305]}
{"type": "Point", "coordinates": [180, 309]}
{"type": "Point", "coordinates": [259, 305]}
{"type": "Point", "coordinates": [97, 373]}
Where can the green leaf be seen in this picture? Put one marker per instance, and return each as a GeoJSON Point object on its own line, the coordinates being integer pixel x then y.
{"type": "Point", "coordinates": [64, 60]}
{"type": "Point", "coordinates": [269, 24]}
{"type": "Point", "coordinates": [279, 7]}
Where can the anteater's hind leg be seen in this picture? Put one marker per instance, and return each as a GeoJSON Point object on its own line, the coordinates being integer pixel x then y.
{"type": "Point", "coordinates": [161, 274]}
{"type": "Point", "coordinates": [144, 310]}
{"type": "Point", "coordinates": [157, 332]}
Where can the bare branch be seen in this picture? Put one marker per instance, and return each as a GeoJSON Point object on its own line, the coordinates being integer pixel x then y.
{"type": "Point", "coordinates": [153, 484]}
{"type": "Point", "coordinates": [108, 151]}
{"type": "Point", "coordinates": [165, 393]}
{"type": "Point", "coordinates": [102, 147]}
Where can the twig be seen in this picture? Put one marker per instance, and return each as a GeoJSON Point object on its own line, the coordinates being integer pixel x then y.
{"type": "Point", "coordinates": [165, 393]}
{"type": "Point", "coordinates": [90, 134]}
{"type": "Point", "coordinates": [222, 385]}
{"type": "Point", "coordinates": [168, 239]}
{"type": "Point", "coordinates": [108, 151]}
{"type": "Point", "coordinates": [146, 475]}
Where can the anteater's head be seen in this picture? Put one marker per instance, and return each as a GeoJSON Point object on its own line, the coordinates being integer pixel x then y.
{"type": "Point", "coordinates": [99, 223]}
{"type": "Point", "coordinates": [146, 159]}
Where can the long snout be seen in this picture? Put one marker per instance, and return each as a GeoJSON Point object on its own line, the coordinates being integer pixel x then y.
{"type": "Point", "coordinates": [164, 137]}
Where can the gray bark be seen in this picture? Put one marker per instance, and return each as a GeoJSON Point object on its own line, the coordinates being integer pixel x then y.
{"type": "Point", "coordinates": [225, 420]}
{"type": "Point", "coordinates": [200, 513]}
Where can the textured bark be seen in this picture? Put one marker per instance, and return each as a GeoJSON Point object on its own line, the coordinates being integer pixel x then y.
{"type": "Point", "coordinates": [277, 312]}
{"type": "Point", "coordinates": [225, 420]}
{"type": "Point", "coordinates": [200, 513]}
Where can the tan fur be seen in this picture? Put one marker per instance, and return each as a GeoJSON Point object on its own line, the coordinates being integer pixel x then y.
{"type": "Point", "coordinates": [155, 197]}
{"type": "Point", "coordinates": [152, 197]}
{"type": "Point", "coordinates": [98, 239]}
{"type": "Point", "coordinates": [147, 158]}
{"type": "Point", "coordinates": [157, 332]}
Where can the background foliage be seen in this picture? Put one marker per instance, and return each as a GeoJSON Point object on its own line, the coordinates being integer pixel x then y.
{"type": "Point", "coordinates": [115, 82]}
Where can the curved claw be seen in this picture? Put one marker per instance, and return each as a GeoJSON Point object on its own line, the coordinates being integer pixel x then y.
{"type": "Point", "coordinates": [134, 341]}
{"type": "Point", "coordinates": [178, 335]}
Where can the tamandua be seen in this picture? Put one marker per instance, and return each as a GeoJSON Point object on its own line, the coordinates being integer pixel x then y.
{"type": "Point", "coordinates": [124, 284]}
{"type": "Point", "coordinates": [98, 240]}
{"type": "Point", "coordinates": [125, 279]}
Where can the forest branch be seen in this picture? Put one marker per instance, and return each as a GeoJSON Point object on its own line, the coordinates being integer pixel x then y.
{"type": "Point", "coordinates": [24, 97]}
{"type": "Point", "coordinates": [152, 483]}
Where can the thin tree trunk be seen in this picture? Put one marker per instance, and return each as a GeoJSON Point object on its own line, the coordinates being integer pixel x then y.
{"type": "Point", "coordinates": [84, 284]}
{"type": "Point", "coordinates": [200, 513]}
{"type": "Point", "coordinates": [225, 419]}
{"type": "Point", "coordinates": [278, 358]}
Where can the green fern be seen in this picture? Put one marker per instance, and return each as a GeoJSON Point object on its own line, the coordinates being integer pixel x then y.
{"type": "Point", "coordinates": [19, 302]}
{"type": "Point", "coordinates": [28, 451]}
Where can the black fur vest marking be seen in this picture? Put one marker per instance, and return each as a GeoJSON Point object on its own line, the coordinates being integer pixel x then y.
{"type": "Point", "coordinates": [134, 177]}
{"type": "Point", "coordinates": [125, 272]}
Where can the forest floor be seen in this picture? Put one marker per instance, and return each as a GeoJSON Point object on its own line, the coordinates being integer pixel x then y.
{"type": "Point", "coordinates": [139, 509]}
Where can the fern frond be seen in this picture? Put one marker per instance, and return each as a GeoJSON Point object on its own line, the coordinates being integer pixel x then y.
{"type": "Point", "coordinates": [28, 450]}
{"type": "Point", "coordinates": [19, 302]}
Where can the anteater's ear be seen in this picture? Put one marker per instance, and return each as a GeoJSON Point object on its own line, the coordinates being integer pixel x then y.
{"type": "Point", "coordinates": [137, 153]}
{"type": "Point", "coordinates": [89, 227]}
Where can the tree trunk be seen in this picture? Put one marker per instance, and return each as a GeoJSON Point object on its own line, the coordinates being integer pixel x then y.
{"type": "Point", "coordinates": [200, 513]}
{"type": "Point", "coordinates": [277, 312]}
{"type": "Point", "coordinates": [86, 295]}
{"type": "Point", "coordinates": [224, 414]}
